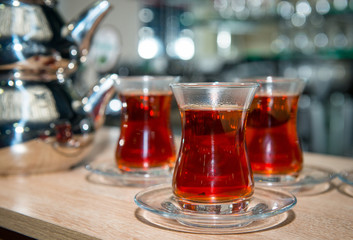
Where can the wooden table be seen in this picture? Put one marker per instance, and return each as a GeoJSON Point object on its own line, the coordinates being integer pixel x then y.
{"type": "Point", "coordinates": [65, 205]}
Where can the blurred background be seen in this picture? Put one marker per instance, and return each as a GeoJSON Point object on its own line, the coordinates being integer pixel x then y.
{"type": "Point", "coordinates": [219, 40]}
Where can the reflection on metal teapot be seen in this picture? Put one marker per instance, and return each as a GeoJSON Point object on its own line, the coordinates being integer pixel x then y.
{"type": "Point", "coordinates": [44, 124]}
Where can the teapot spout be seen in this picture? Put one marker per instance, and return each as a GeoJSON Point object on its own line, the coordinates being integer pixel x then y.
{"type": "Point", "coordinates": [96, 100]}
{"type": "Point", "coordinates": [81, 30]}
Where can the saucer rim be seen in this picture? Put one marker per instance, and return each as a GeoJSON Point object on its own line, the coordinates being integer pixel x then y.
{"type": "Point", "coordinates": [230, 217]}
{"type": "Point", "coordinates": [329, 176]}
{"type": "Point", "coordinates": [342, 176]}
{"type": "Point", "coordinates": [125, 176]}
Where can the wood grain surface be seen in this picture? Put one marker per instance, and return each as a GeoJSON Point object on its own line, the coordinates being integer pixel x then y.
{"type": "Point", "coordinates": [68, 205]}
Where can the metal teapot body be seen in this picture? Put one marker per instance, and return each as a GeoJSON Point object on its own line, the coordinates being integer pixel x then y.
{"type": "Point", "coordinates": [44, 125]}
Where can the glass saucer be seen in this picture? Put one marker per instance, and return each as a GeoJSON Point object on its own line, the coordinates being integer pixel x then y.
{"type": "Point", "coordinates": [346, 177]}
{"type": "Point", "coordinates": [159, 221]}
{"type": "Point", "coordinates": [108, 173]}
{"type": "Point", "coordinates": [264, 204]}
{"type": "Point", "coordinates": [308, 177]}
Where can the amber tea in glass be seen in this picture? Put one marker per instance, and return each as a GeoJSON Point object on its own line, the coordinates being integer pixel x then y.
{"type": "Point", "coordinates": [271, 133]}
{"type": "Point", "coordinates": [212, 166]}
{"type": "Point", "coordinates": [146, 140]}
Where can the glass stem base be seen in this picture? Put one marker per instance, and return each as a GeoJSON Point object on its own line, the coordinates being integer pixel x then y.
{"type": "Point", "coordinates": [231, 207]}
{"type": "Point", "coordinates": [156, 171]}
{"type": "Point", "coordinates": [276, 178]}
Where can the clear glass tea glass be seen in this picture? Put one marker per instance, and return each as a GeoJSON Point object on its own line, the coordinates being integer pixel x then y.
{"type": "Point", "coordinates": [212, 172]}
{"type": "Point", "coordinates": [271, 134]}
{"type": "Point", "coordinates": [146, 142]}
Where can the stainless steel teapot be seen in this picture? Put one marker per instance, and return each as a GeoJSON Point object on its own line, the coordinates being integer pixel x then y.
{"type": "Point", "coordinates": [44, 124]}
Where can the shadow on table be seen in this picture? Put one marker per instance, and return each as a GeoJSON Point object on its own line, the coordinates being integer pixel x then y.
{"type": "Point", "coordinates": [345, 189]}
{"type": "Point", "coordinates": [103, 180]}
{"type": "Point", "coordinates": [266, 224]}
{"type": "Point", "coordinates": [112, 177]}
{"type": "Point", "coordinates": [312, 190]}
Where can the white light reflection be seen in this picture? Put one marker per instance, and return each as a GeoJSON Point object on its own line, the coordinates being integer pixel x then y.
{"type": "Point", "coordinates": [285, 9]}
{"type": "Point", "coordinates": [146, 15]}
{"type": "Point", "coordinates": [268, 91]}
{"type": "Point", "coordinates": [322, 6]}
{"type": "Point", "coordinates": [73, 52]}
{"type": "Point", "coordinates": [25, 113]}
{"type": "Point", "coordinates": [17, 75]}
{"type": "Point", "coordinates": [220, 4]}
{"type": "Point", "coordinates": [18, 149]}
{"type": "Point", "coordinates": [340, 4]}
{"type": "Point", "coordinates": [224, 39]}
{"type": "Point", "coordinates": [321, 40]}
{"type": "Point", "coordinates": [85, 126]}
{"type": "Point", "coordinates": [145, 147]}
{"type": "Point", "coordinates": [17, 47]}
{"type": "Point", "coordinates": [303, 7]}
{"type": "Point", "coordinates": [70, 27]}
{"type": "Point", "coordinates": [214, 96]}
{"type": "Point", "coordinates": [184, 48]}
{"type": "Point", "coordinates": [298, 20]}
{"type": "Point", "coordinates": [269, 79]}
{"type": "Point", "coordinates": [85, 100]}
{"type": "Point", "coordinates": [115, 105]}
{"type": "Point", "coordinates": [256, 3]}
{"type": "Point", "coordinates": [148, 47]}
{"type": "Point", "coordinates": [16, 3]}
{"type": "Point", "coordinates": [19, 129]}
{"type": "Point", "coordinates": [238, 5]}
{"type": "Point", "coordinates": [18, 83]}
{"type": "Point", "coordinates": [60, 77]}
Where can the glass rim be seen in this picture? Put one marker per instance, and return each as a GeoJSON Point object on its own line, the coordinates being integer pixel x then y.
{"type": "Point", "coordinates": [270, 79]}
{"type": "Point", "coordinates": [146, 78]}
{"type": "Point", "coordinates": [216, 85]}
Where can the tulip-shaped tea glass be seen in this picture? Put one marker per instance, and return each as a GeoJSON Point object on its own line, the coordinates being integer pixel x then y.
{"type": "Point", "coordinates": [212, 172]}
{"type": "Point", "coordinates": [146, 144]}
{"type": "Point", "coordinates": [213, 188]}
{"type": "Point", "coordinates": [271, 134]}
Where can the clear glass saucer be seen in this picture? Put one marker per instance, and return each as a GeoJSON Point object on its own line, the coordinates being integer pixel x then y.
{"type": "Point", "coordinates": [346, 177]}
{"type": "Point", "coordinates": [109, 173]}
{"type": "Point", "coordinates": [264, 204]}
{"type": "Point", "coordinates": [159, 221]}
{"type": "Point", "coordinates": [309, 176]}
